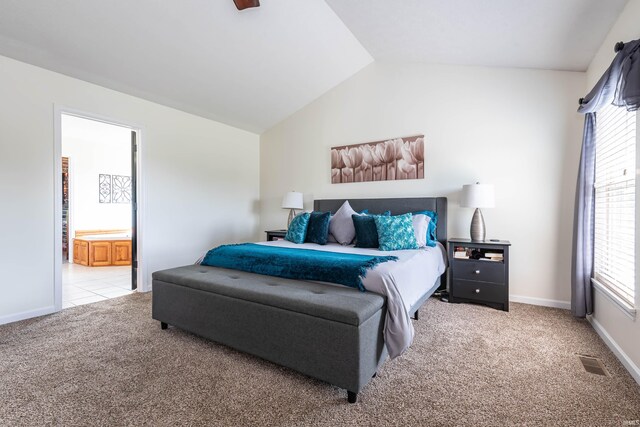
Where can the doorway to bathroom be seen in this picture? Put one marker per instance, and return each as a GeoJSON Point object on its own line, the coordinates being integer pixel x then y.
{"type": "Point", "coordinates": [98, 216]}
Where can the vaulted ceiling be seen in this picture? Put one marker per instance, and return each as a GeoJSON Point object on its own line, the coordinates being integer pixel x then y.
{"type": "Point", "coordinates": [543, 34]}
{"type": "Point", "coordinates": [251, 69]}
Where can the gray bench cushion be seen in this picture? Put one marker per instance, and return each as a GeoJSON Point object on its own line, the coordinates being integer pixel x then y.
{"type": "Point", "coordinates": [336, 303]}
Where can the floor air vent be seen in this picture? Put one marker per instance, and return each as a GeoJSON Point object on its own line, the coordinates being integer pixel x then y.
{"type": "Point", "coordinates": [593, 365]}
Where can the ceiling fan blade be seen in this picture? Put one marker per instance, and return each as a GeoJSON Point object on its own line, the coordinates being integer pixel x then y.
{"type": "Point", "coordinates": [245, 4]}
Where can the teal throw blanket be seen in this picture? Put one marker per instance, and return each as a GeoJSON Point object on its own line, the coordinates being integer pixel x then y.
{"type": "Point", "coordinates": [291, 263]}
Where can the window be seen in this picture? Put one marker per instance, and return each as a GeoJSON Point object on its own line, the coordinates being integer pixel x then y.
{"type": "Point", "coordinates": [615, 195]}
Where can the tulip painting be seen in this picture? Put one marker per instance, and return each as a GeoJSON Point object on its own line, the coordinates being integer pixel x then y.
{"type": "Point", "coordinates": [389, 160]}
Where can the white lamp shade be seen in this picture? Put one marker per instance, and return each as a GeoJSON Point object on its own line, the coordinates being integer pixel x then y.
{"type": "Point", "coordinates": [477, 196]}
{"type": "Point", "coordinates": [292, 200]}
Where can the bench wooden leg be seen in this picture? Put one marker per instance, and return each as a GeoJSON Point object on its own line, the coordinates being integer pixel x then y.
{"type": "Point", "coordinates": [416, 315]}
{"type": "Point", "coordinates": [163, 325]}
{"type": "Point", "coordinates": [352, 397]}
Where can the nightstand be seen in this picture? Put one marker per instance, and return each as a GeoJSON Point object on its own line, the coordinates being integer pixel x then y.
{"type": "Point", "coordinates": [479, 272]}
{"type": "Point", "coordinates": [275, 235]}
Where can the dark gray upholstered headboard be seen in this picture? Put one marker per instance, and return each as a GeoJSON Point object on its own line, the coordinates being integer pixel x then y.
{"type": "Point", "coordinates": [396, 206]}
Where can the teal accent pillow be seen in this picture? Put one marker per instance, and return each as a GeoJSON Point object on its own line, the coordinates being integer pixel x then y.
{"type": "Point", "coordinates": [318, 228]}
{"type": "Point", "coordinates": [297, 230]}
{"type": "Point", "coordinates": [431, 230]}
{"type": "Point", "coordinates": [396, 232]}
{"type": "Point", "coordinates": [366, 232]}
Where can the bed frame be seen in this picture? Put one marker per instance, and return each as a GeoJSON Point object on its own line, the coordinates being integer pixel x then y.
{"type": "Point", "coordinates": [332, 333]}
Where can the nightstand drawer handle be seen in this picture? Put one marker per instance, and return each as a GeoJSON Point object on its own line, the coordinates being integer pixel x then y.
{"type": "Point", "coordinates": [476, 272]}
{"type": "Point", "coordinates": [477, 291]}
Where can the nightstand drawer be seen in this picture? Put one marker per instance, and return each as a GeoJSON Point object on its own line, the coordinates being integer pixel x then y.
{"type": "Point", "coordinates": [479, 291]}
{"type": "Point", "coordinates": [484, 271]}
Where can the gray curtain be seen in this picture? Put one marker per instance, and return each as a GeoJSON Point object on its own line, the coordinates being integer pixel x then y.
{"type": "Point", "coordinates": [619, 85]}
{"type": "Point", "coordinates": [582, 262]}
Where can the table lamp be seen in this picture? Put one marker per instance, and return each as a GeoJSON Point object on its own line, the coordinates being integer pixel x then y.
{"type": "Point", "coordinates": [292, 200]}
{"type": "Point", "coordinates": [477, 196]}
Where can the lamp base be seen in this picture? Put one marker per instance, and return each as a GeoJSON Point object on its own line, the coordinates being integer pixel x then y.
{"type": "Point", "coordinates": [478, 230]}
{"type": "Point", "coordinates": [292, 214]}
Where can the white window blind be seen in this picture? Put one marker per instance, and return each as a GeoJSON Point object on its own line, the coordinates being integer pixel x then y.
{"type": "Point", "coordinates": [615, 194]}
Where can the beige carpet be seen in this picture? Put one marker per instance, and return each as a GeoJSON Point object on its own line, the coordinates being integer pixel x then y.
{"type": "Point", "coordinates": [109, 363]}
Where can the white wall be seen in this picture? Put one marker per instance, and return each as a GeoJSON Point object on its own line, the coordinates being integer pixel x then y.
{"type": "Point", "coordinates": [200, 177]}
{"type": "Point", "coordinates": [514, 128]}
{"type": "Point", "coordinates": [95, 148]}
{"type": "Point", "coordinates": [621, 332]}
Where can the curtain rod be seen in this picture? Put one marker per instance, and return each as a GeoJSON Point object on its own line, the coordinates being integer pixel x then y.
{"type": "Point", "coordinates": [617, 48]}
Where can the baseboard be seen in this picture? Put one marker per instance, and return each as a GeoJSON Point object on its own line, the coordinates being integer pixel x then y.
{"type": "Point", "coordinates": [626, 361]}
{"type": "Point", "coordinates": [27, 314]}
{"type": "Point", "coordinates": [541, 301]}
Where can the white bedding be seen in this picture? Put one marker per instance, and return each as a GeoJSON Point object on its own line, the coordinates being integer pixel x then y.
{"type": "Point", "coordinates": [403, 282]}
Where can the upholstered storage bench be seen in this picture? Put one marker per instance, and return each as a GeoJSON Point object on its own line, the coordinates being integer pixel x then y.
{"type": "Point", "coordinates": [333, 333]}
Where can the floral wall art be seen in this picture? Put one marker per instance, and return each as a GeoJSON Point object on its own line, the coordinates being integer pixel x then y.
{"type": "Point", "coordinates": [121, 189]}
{"type": "Point", "coordinates": [393, 159]}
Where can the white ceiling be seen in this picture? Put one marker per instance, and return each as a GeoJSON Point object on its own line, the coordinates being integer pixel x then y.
{"type": "Point", "coordinates": [251, 69]}
{"type": "Point", "coordinates": [546, 34]}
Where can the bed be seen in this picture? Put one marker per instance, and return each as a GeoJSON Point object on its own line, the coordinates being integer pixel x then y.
{"type": "Point", "coordinates": [331, 332]}
{"type": "Point", "coordinates": [398, 206]}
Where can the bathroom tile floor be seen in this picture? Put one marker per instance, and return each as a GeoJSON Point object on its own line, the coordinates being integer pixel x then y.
{"type": "Point", "coordinates": [84, 285]}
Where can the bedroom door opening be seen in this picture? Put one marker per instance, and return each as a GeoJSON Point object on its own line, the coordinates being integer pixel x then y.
{"type": "Point", "coordinates": [96, 210]}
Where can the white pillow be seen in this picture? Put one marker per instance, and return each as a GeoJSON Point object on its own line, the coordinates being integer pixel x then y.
{"type": "Point", "coordinates": [341, 224]}
{"type": "Point", "coordinates": [420, 228]}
